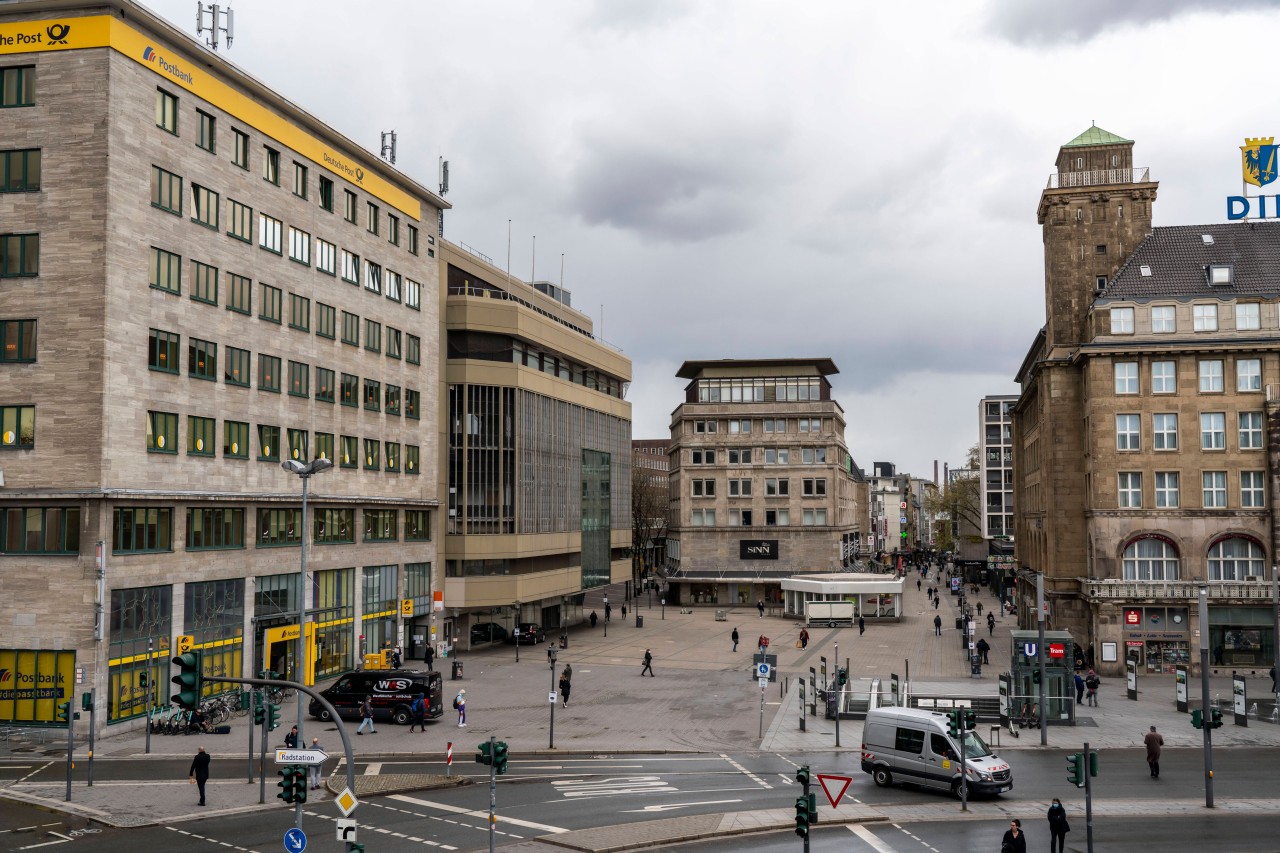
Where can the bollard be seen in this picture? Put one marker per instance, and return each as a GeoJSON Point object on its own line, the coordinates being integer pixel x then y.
{"type": "Point", "coordinates": [448, 759]}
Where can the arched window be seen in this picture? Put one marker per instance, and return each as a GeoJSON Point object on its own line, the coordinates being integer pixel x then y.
{"type": "Point", "coordinates": [1234, 560]}
{"type": "Point", "coordinates": [1150, 560]}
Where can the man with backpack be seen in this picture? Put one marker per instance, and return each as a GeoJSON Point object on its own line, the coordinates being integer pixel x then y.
{"type": "Point", "coordinates": [366, 716]}
{"type": "Point", "coordinates": [419, 711]}
{"type": "Point", "coordinates": [1091, 682]}
{"type": "Point", "coordinates": [460, 704]}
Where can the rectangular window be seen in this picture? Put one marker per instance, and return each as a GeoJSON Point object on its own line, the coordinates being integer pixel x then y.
{"type": "Point", "coordinates": [326, 321]}
{"type": "Point", "coordinates": [740, 457]}
{"type": "Point", "coordinates": [372, 277]}
{"type": "Point", "coordinates": [204, 203]}
{"type": "Point", "coordinates": [1128, 432]}
{"type": "Point", "coordinates": [1164, 427]}
{"type": "Point", "coordinates": [240, 148]}
{"type": "Point", "coordinates": [324, 445]}
{"type": "Point", "coordinates": [349, 390]}
{"type": "Point", "coordinates": [413, 349]}
{"type": "Point", "coordinates": [393, 456]}
{"type": "Point", "coordinates": [1130, 485]}
{"type": "Point", "coordinates": [240, 225]}
{"type": "Point", "coordinates": [393, 229]}
{"type": "Point", "coordinates": [1214, 489]}
{"type": "Point", "coordinates": [299, 379]}
{"type": "Point", "coordinates": [1213, 431]}
{"type": "Point", "coordinates": [204, 283]}
{"type": "Point", "coordinates": [350, 457]}
{"type": "Point", "coordinates": [324, 385]}
{"type": "Point", "coordinates": [813, 487]}
{"type": "Point", "coordinates": [350, 267]}
{"type": "Point", "coordinates": [268, 373]}
{"type": "Point", "coordinates": [702, 457]}
{"type": "Point", "coordinates": [412, 461]}
{"type": "Point", "coordinates": [271, 306]}
{"type": "Point", "coordinates": [1167, 496]}
{"type": "Point", "coordinates": [371, 217]}
{"type": "Point", "coordinates": [1248, 374]}
{"type": "Point", "coordinates": [36, 530]}
{"type": "Point", "coordinates": [299, 312]}
{"type": "Point", "coordinates": [1163, 320]}
{"type": "Point", "coordinates": [166, 190]}
{"type": "Point", "coordinates": [813, 455]}
{"type": "Point", "coordinates": [740, 518]}
{"type": "Point", "coordinates": [372, 454]}
{"type": "Point", "coordinates": [1251, 489]}
{"type": "Point", "coordinates": [167, 111]}
{"type": "Point", "coordinates": [214, 528]}
{"type": "Point", "coordinates": [1164, 377]}
{"type": "Point", "coordinates": [142, 530]}
{"type": "Point", "coordinates": [299, 179]}
{"type": "Point", "coordinates": [268, 443]}
{"type": "Point", "coordinates": [162, 432]}
{"type": "Point", "coordinates": [1126, 377]}
{"type": "Point", "coordinates": [20, 171]}
{"type": "Point", "coordinates": [349, 206]}
{"type": "Point", "coordinates": [417, 525]}
{"type": "Point", "coordinates": [739, 488]}
{"type": "Point", "coordinates": [393, 343]}
{"type": "Point", "coordinates": [162, 351]}
{"type": "Point", "coordinates": [1122, 321]}
{"type": "Point", "coordinates": [1204, 318]}
{"type": "Point", "coordinates": [201, 436]}
{"type": "Point", "coordinates": [17, 341]}
{"type": "Point", "coordinates": [372, 395]}
{"type": "Point", "coordinates": [18, 427]}
{"type": "Point", "coordinates": [372, 335]}
{"type": "Point", "coordinates": [299, 246]}
{"type": "Point", "coordinates": [208, 137]}
{"type": "Point", "coordinates": [326, 194]}
{"type": "Point", "coordinates": [776, 488]}
{"type": "Point", "coordinates": [413, 240]}
{"type": "Point", "coordinates": [381, 525]}
{"type": "Point", "coordinates": [814, 518]}
{"type": "Point", "coordinates": [239, 294]}
{"type": "Point", "coordinates": [326, 257]}
{"type": "Point", "coordinates": [235, 439]}
{"type": "Point", "coordinates": [412, 404]}
{"type": "Point", "coordinates": [18, 86]}
{"type": "Point", "coordinates": [237, 372]}
{"type": "Point", "coordinates": [298, 444]}
{"type": "Point", "coordinates": [270, 165]}
{"type": "Point", "coordinates": [391, 400]}
{"type": "Point", "coordinates": [1251, 430]}
{"type": "Point", "coordinates": [777, 518]}
{"type": "Point", "coordinates": [1211, 375]}
{"type": "Point", "coordinates": [1248, 316]}
{"type": "Point", "coordinates": [270, 233]}
{"type": "Point", "coordinates": [350, 329]}
{"type": "Point", "coordinates": [335, 525]}
{"type": "Point", "coordinates": [280, 527]}
{"type": "Point", "coordinates": [166, 270]}
{"type": "Point", "coordinates": [703, 488]}
{"type": "Point", "coordinates": [19, 255]}
{"type": "Point", "coordinates": [202, 359]}
{"type": "Point", "coordinates": [413, 294]}
{"type": "Point", "coordinates": [393, 286]}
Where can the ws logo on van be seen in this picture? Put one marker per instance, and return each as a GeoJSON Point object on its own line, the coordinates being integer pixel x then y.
{"type": "Point", "coordinates": [392, 685]}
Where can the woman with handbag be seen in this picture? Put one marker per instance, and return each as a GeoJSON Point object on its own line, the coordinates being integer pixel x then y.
{"type": "Point", "coordinates": [1014, 841]}
{"type": "Point", "coordinates": [1058, 827]}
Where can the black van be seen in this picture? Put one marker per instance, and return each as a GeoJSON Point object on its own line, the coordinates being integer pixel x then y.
{"type": "Point", "coordinates": [393, 691]}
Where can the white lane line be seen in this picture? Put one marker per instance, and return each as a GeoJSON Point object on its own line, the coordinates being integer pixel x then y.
{"type": "Point", "coordinates": [745, 772]}
{"type": "Point", "coordinates": [527, 824]}
{"type": "Point", "coordinates": [32, 773]}
{"type": "Point", "coordinates": [867, 836]}
{"type": "Point", "coordinates": [210, 840]}
{"type": "Point", "coordinates": [372, 769]}
{"type": "Point", "coordinates": [31, 828]}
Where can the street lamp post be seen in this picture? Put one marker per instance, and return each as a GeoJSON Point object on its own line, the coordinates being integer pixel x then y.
{"type": "Point", "coordinates": [516, 631]}
{"type": "Point", "coordinates": [1207, 728]}
{"type": "Point", "coordinates": [551, 657]}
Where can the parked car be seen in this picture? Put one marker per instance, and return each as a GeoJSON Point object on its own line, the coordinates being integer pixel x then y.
{"type": "Point", "coordinates": [529, 633]}
{"type": "Point", "coordinates": [487, 632]}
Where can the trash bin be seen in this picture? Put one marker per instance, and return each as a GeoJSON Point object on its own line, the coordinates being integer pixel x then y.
{"type": "Point", "coordinates": [564, 641]}
{"type": "Point", "coordinates": [975, 666]}
{"type": "Point", "coordinates": [639, 621]}
{"type": "Point", "coordinates": [959, 623]}
{"type": "Point", "coordinates": [457, 670]}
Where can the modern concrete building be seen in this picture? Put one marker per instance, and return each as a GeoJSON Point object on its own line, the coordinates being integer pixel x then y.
{"type": "Point", "coordinates": [995, 462]}
{"type": "Point", "coordinates": [1145, 432]}
{"type": "Point", "coordinates": [762, 484]}
{"type": "Point", "coordinates": [651, 495]}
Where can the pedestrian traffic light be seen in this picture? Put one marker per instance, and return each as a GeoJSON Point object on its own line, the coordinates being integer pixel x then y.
{"type": "Point", "coordinates": [1215, 718]}
{"type": "Point", "coordinates": [86, 701]}
{"type": "Point", "coordinates": [1035, 676]}
{"type": "Point", "coordinates": [953, 723]}
{"type": "Point", "coordinates": [1197, 718]}
{"type": "Point", "coordinates": [292, 784]}
{"type": "Point", "coordinates": [970, 721]}
{"type": "Point", "coordinates": [802, 817]}
{"type": "Point", "coordinates": [1075, 769]}
{"type": "Point", "coordinates": [813, 808]}
{"type": "Point", "coordinates": [64, 711]}
{"type": "Point", "coordinates": [1093, 763]}
{"type": "Point", "coordinates": [500, 756]}
{"type": "Point", "coordinates": [190, 679]}
{"type": "Point", "coordinates": [483, 756]}
{"type": "Point", "coordinates": [273, 716]}
{"type": "Point", "coordinates": [802, 776]}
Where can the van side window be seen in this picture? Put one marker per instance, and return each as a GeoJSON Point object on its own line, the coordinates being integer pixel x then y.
{"type": "Point", "coordinates": [910, 740]}
{"type": "Point", "coordinates": [941, 747]}
{"type": "Point", "coordinates": [342, 686]}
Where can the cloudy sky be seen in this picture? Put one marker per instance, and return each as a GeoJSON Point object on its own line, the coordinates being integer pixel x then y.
{"type": "Point", "coordinates": [741, 178]}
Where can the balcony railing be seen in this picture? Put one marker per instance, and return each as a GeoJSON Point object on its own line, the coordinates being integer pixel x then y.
{"type": "Point", "coordinates": [1257, 589]}
{"type": "Point", "coordinates": [1097, 177]}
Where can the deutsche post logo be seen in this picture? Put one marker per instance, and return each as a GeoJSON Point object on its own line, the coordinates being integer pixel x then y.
{"type": "Point", "coordinates": [1258, 158]}
{"type": "Point", "coordinates": [57, 33]}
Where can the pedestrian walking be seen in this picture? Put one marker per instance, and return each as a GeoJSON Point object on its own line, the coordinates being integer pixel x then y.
{"type": "Point", "coordinates": [979, 608]}
{"type": "Point", "coordinates": [564, 688]}
{"type": "Point", "coordinates": [937, 626]}
{"type": "Point", "coordinates": [1091, 683]}
{"type": "Point", "coordinates": [291, 739]}
{"type": "Point", "coordinates": [984, 649]}
{"type": "Point", "coordinates": [316, 770]}
{"type": "Point", "coordinates": [608, 611]}
{"type": "Point", "coordinates": [936, 602]}
{"type": "Point", "coordinates": [624, 612]}
{"type": "Point", "coordinates": [918, 584]}
{"type": "Point", "coordinates": [760, 608]}
{"type": "Point", "coordinates": [734, 637]}
{"type": "Point", "coordinates": [1058, 827]}
{"type": "Point", "coordinates": [397, 657]}
{"type": "Point", "coordinates": [460, 704]}
{"type": "Point", "coordinates": [862, 626]}
{"type": "Point", "coordinates": [593, 618]}
{"type": "Point", "coordinates": [929, 592]}
{"type": "Point", "coordinates": [804, 639]}
{"type": "Point", "coordinates": [991, 624]}
{"type": "Point", "coordinates": [648, 664]}
{"type": "Point", "coordinates": [430, 658]}
{"type": "Point", "coordinates": [366, 716]}
{"type": "Point", "coordinates": [199, 772]}
{"type": "Point", "coordinates": [1272, 672]}
{"type": "Point", "coordinates": [1079, 689]}
{"type": "Point", "coordinates": [419, 711]}
{"type": "Point", "coordinates": [1153, 742]}
{"type": "Point", "coordinates": [1013, 841]}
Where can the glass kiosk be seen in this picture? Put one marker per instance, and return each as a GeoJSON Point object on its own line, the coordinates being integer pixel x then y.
{"type": "Point", "coordinates": [1060, 685]}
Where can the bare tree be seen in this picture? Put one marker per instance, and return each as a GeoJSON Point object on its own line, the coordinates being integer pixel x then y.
{"type": "Point", "coordinates": [650, 503]}
{"type": "Point", "coordinates": [958, 506]}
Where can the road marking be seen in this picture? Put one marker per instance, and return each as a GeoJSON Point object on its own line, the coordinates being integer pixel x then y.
{"type": "Point", "coordinates": [612, 786]}
{"type": "Point", "coordinates": [527, 824]}
{"type": "Point", "coordinates": [63, 839]}
{"type": "Point", "coordinates": [912, 835]}
{"type": "Point", "coordinates": [426, 841]}
{"type": "Point", "coordinates": [669, 806]}
{"type": "Point", "coordinates": [32, 773]}
{"type": "Point", "coordinates": [210, 840]}
{"type": "Point", "coordinates": [372, 769]}
{"type": "Point", "coordinates": [31, 828]}
{"type": "Point", "coordinates": [786, 780]}
{"type": "Point", "coordinates": [744, 771]}
{"type": "Point", "coordinates": [867, 836]}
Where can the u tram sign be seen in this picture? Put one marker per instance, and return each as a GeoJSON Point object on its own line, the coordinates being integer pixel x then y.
{"type": "Point", "coordinates": [1260, 166]}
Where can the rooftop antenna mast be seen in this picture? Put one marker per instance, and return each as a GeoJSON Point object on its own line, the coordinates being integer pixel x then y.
{"type": "Point", "coordinates": [444, 177]}
{"type": "Point", "coordinates": [389, 146]}
{"type": "Point", "coordinates": [217, 14]}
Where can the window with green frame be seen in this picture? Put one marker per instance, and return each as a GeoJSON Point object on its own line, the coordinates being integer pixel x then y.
{"type": "Point", "coordinates": [201, 436]}
{"type": "Point", "coordinates": [324, 445]}
{"type": "Point", "coordinates": [393, 229]}
{"type": "Point", "coordinates": [166, 270]}
{"type": "Point", "coordinates": [142, 530]}
{"type": "Point", "coordinates": [237, 372]}
{"type": "Point", "coordinates": [392, 400]}
{"type": "Point", "coordinates": [413, 350]}
{"type": "Point", "coordinates": [271, 308]}
{"type": "Point", "coordinates": [166, 190]}
{"type": "Point", "coordinates": [350, 329]}
{"type": "Point", "coordinates": [372, 454]}
{"type": "Point", "coordinates": [393, 456]}
{"type": "Point", "coordinates": [18, 86]}
{"type": "Point", "coordinates": [20, 170]}
{"type": "Point", "coordinates": [350, 267]}
{"type": "Point", "coordinates": [17, 341]}
{"type": "Point", "coordinates": [299, 379]}
{"type": "Point", "coordinates": [214, 528]}
{"type": "Point", "coordinates": [372, 335]}
{"type": "Point", "coordinates": [417, 525]}
{"type": "Point", "coordinates": [412, 463]}
{"type": "Point", "coordinates": [299, 312]}
{"type": "Point", "coordinates": [277, 527]}
{"type": "Point", "coordinates": [299, 179]}
{"type": "Point", "coordinates": [202, 359]}
{"type": "Point", "coordinates": [412, 404]}
{"type": "Point", "coordinates": [326, 257]}
{"type": "Point", "coordinates": [235, 439]}
{"type": "Point", "coordinates": [325, 321]}
{"type": "Point", "coordinates": [324, 385]}
{"type": "Point", "coordinates": [372, 395]}
{"type": "Point", "coordinates": [350, 457]}
{"type": "Point", "coordinates": [413, 240]}
{"type": "Point", "coordinates": [349, 206]}
{"type": "Point", "coordinates": [239, 293]}
{"type": "Point", "coordinates": [268, 443]}
{"type": "Point", "coordinates": [240, 220]}
{"type": "Point", "coordinates": [240, 148]}
{"type": "Point", "coordinates": [380, 525]}
{"type": "Point", "coordinates": [162, 351]}
{"type": "Point", "coordinates": [205, 204]}
{"type": "Point", "coordinates": [162, 432]}
{"type": "Point", "coordinates": [393, 343]}
{"type": "Point", "coordinates": [208, 137]}
{"type": "Point", "coordinates": [335, 525]}
{"type": "Point", "coordinates": [350, 390]}
{"type": "Point", "coordinates": [204, 283]}
{"type": "Point", "coordinates": [371, 217]}
{"type": "Point", "coordinates": [167, 111]}
{"type": "Point", "coordinates": [298, 444]}
{"type": "Point", "coordinates": [19, 255]}
{"type": "Point", "coordinates": [268, 373]}
{"type": "Point", "coordinates": [17, 427]}
{"type": "Point", "coordinates": [270, 165]}
{"type": "Point", "coordinates": [326, 194]}
{"type": "Point", "coordinates": [40, 530]}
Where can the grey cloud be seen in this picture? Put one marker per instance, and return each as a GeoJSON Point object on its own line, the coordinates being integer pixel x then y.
{"type": "Point", "coordinates": [612, 15]}
{"type": "Point", "coordinates": [1025, 23]}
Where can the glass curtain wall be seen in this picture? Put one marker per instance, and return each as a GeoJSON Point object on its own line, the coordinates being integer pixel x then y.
{"type": "Point", "coordinates": [138, 614]}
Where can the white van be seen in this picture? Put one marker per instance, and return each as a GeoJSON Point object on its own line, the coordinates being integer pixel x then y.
{"type": "Point", "coordinates": [911, 745]}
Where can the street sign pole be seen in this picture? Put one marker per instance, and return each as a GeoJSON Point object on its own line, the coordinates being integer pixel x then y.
{"type": "Point", "coordinates": [1044, 681]}
{"type": "Point", "coordinates": [493, 792]}
{"type": "Point", "coordinates": [253, 703]}
{"type": "Point", "coordinates": [838, 696]}
{"type": "Point", "coordinates": [262, 755]}
{"type": "Point", "coordinates": [1088, 799]}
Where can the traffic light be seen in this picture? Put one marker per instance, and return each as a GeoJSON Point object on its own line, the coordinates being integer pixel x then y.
{"type": "Point", "coordinates": [813, 808]}
{"type": "Point", "coordinates": [300, 786]}
{"type": "Point", "coordinates": [1215, 718]}
{"type": "Point", "coordinates": [1093, 763]}
{"type": "Point", "coordinates": [483, 756]}
{"type": "Point", "coordinates": [842, 675]}
{"type": "Point", "coordinates": [1035, 676]}
{"type": "Point", "coordinates": [1075, 769]}
{"type": "Point", "coordinates": [86, 701]}
{"type": "Point", "coordinates": [802, 817]}
{"type": "Point", "coordinates": [273, 716]}
{"type": "Point", "coordinates": [970, 721]}
{"type": "Point", "coordinates": [953, 724]}
{"type": "Point", "coordinates": [64, 711]}
{"type": "Point", "coordinates": [802, 776]}
{"type": "Point", "coordinates": [352, 847]}
{"type": "Point", "coordinates": [190, 679]}
{"type": "Point", "coordinates": [259, 710]}
{"type": "Point", "coordinates": [500, 756]}
{"type": "Point", "coordinates": [1197, 718]}
{"type": "Point", "coordinates": [293, 784]}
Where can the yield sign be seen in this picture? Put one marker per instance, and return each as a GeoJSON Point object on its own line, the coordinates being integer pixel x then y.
{"type": "Point", "coordinates": [830, 783]}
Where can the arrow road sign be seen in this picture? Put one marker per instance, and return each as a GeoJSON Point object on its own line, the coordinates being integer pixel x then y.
{"type": "Point", "coordinates": [346, 829]}
{"type": "Point", "coordinates": [301, 756]}
{"type": "Point", "coordinates": [831, 783]}
{"type": "Point", "coordinates": [762, 670]}
{"type": "Point", "coordinates": [295, 840]}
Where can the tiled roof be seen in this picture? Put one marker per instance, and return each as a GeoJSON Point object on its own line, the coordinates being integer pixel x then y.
{"type": "Point", "coordinates": [1097, 136]}
{"type": "Point", "coordinates": [1177, 257]}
